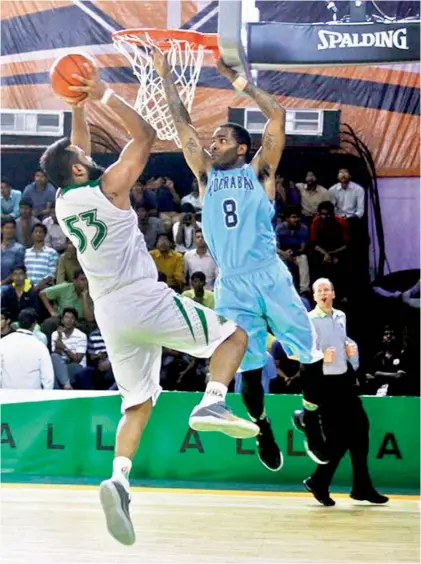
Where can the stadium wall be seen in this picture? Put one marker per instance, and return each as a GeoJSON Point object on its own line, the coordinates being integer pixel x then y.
{"type": "Point", "coordinates": [67, 439]}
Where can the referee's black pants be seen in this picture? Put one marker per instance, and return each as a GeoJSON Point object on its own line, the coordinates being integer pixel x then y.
{"type": "Point", "coordinates": [346, 427]}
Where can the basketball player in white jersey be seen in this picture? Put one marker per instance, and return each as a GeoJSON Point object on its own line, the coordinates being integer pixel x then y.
{"type": "Point", "coordinates": [137, 315]}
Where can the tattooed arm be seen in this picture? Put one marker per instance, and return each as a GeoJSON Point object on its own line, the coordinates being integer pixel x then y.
{"type": "Point", "coordinates": [266, 160]}
{"type": "Point", "coordinates": [197, 158]}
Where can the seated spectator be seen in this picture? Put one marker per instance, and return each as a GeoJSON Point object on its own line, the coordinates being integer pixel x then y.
{"type": "Point", "coordinates": [184, 230]}
{"type": "Point", "coordinates": [268, 374]}
{"type": "Point", "coordinates": [194, 197]}
{"type": "Point", "coordinates": [55, 238]}
{"type": "Point", "coordinates": [40, 260]}
{"type": "Point", "coordinates": [5, 322]}
{"type": "Point", "coordinates": [292, 238]}
{"type": "Point", "coordinates": [312, 194]}
{"type": "Point", "coordinates": [25, 224]}
{"type": "Point", "coordinates": [287, 196]}
{"type": "Point", "coordinates": [20, 294]}
{"type": "Point", "coordinates": [169, 262]}
{"type": "Point", "coordinates": [69, 346]}
{"type": "Point", "coordinates": [167, 198]}
{"type": "Point", "coordinates": [198, 292]}
{"type": "Point", "coordinates": [12, 253]}
{"type": "Point", "coordinates": [67, 264]}
{"type": "Point", "coordinates": [25, 361]}
{"type": "Point", "coordinates": [179, 371]}
{"type": "Point", "coordinates": [101, 373]}
{"type": "Point", "coordinates": [347, 196]}
{"type": "Point", "coordinates": [10, 199]}
{"type": "Point", "coordinates": [149, 226]}
{"type": "Point", "coordinates": [387, 372]}
{"type": "Point", "coordinates": [143, 197]}
{"type": "Point", "coordinates": [288, 372]}
{"type": "Point", "coordinates": [41, 194]}
{"type": "Point", "coordinates": [73, 294]}
{"type": "Point", "coordinates": [200, 260]}
{"type": "Point", "coordinates": [329, 237]}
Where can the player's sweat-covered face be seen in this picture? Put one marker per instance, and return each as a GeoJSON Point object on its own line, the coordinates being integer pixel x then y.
{"type": "Point", "coordinates": [224, 149]}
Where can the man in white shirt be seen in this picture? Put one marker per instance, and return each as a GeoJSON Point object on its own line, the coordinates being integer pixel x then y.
{"type": "Point", "coordinates": [69, 346]}
{"type": "Point", "coordinates": [347, 196]}
{"type": "Point", "coordinates": [25, 361]}
{"type": "Point", "coordinates": [312, 194]}
{"type": "Point", "coordinates": [200, 260]}
{"type": "Point", "coordinates": [193, 198]}
{"type": "Point", "coordinates": [184, 230]}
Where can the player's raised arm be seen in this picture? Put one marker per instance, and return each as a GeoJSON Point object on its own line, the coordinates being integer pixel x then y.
{"type": "Point", "coordinates": [266, 160]}
{"type": "Point", "coordinates": [197, 158]}
{"type": "Point", "coordinates": [121, 176]}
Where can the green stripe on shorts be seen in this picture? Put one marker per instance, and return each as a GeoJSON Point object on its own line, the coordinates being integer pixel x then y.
{"type": "Point", "coordinates": [185, 315]}
{"type": "Point", "coordinates": [202, 316]}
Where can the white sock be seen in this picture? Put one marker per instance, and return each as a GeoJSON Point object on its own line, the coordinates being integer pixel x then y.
{"type": "Point", "coordinates": [215, 391]}
{"type": "Point", "coordinates": [121, 470]}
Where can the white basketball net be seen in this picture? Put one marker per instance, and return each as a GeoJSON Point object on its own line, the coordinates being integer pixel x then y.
{"type": "Point", "coordinates": [185, 60]}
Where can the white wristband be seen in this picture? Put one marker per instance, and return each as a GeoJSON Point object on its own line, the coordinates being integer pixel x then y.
{"type": "Point", "coordinates": [107, 95]}
{"type": "Point", "coordinates": [240, 83]}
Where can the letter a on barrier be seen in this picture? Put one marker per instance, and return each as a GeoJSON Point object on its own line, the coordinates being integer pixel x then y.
{"type": "Point", "coordinates": [8, 439]}
{"type": "Point", "coordinates": [392, 450]}
{"type": "Point", "coordinates": [196, 444]}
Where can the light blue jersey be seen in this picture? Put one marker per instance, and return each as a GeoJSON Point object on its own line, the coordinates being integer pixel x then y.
{"type": "Point", "coordinates": [237, 221]}
{"type": "Point", "coordinates": [254, 288]}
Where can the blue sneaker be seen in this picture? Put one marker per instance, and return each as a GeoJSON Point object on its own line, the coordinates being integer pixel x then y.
{"type": "Point", "coordinates": [115, 503]}
{"type": "Point", "coordinates": [218, 417]}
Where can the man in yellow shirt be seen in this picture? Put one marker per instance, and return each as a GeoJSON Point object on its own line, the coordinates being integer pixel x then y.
{"type": "Point", "coordinates": [169, 262]}
{"type": "Point", "coordinates": [198, 292]}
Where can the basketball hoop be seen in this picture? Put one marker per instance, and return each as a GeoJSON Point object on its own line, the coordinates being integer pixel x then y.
{"type": "Point", "coordinates": [185, 53]}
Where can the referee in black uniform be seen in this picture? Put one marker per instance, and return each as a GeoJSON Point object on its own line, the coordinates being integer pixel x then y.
{"type": "Point", "coordinates": [344, 420]}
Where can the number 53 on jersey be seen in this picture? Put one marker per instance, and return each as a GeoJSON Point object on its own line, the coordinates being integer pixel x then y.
{"type": "Point", "coordinates": [76, 223]}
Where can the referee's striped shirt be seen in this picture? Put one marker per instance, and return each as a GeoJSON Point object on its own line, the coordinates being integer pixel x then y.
{"type": "Point", "coordinates": [40, 264]}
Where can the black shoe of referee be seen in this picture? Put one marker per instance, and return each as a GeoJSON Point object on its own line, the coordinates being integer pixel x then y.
{"type": "Point", "coordinates": [308, 422]}
{"type": "Point", "coordinates": [267, 450]}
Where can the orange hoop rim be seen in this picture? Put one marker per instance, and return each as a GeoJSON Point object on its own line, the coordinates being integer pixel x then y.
{"type": "Point", "coordinates": [162, 37]}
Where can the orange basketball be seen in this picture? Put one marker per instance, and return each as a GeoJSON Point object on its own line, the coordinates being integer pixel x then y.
{"type": "Point", "coordinates": [61, 75]}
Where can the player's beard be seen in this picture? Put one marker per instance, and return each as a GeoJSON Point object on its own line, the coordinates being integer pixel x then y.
{"type": "Point", "coordinates": [95, 171]}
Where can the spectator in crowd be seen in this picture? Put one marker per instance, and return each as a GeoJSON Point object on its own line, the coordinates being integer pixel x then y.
{"type": "Point", "coordinates": [329, 238]}
{"type": "Point", "coordinates": [347, 196]}
{"type": "Point", "coordinates": [344, 420]}
{"type": "Point", "coordinates": [73, 294]}
{"type": "Point", "coordinates": [167, 198]}
{"type": "Point", "coordinates": [10, 199]}
{"type": "Point", "coordinates": [180, 371]}
{"type": "Point", "coordinates": [287, 196]}
{"type": "Point", "coordinates": [184, 230]}
{"type": "Point", "coordinates": [292, 238]}
{"type": "Point", "coordinates": [99, 366]}
{"type": "Point", "coordinates": [12, 253]}
{"type": "Point", "coordinates": [288, 371]}
{"type": "Point", "coordinates": [20, 294]}
{"type": "Point", "coordinates": [69, 346]}
{"type": "Point", "coordinates": [268, 375]}
{"type": "Point", "coordinates": [200, 260]}
{"type": "Point", "coordinates": [193, 198]}
{"type": "Point", "coordinates": [149, 226]}
{"type": "Point", "coordinates": [312, 194]}
{"type": "Point", "coordinates": [25, 224]}
{"type": "Point", "coordinates": [55, 238]}
{"type": "Point", "coordinates": [143, 197]}
{"type": "Point", "coordinates": [40, 260]}
{"type": "Point", "coordinates": [41, 194]}
{"type": "Point", "coordinates": [25, 361]}
{"type": "Point", "coordinates": [5, 322]}
{"type": "Point", "coordinates": [67, 264]}
{"type": "Point", "coordinates": [198, 292]}
{"type": "Point", "coordinates": [169, 262]}
{"type": "Point", "coordinates": [387, 371]}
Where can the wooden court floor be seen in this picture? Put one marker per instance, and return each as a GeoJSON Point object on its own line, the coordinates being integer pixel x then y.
{"type": "Point", "coordinates": [65, 525]}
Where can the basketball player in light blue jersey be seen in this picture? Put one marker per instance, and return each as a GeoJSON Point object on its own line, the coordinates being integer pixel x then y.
{"type": "Point", "coordinates": [254, 288]}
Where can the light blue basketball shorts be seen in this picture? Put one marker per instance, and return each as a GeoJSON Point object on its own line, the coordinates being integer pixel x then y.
{"type": "Point", "coordinates": [266, 299]}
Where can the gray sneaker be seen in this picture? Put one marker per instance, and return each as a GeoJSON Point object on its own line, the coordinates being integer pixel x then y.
{"type": "Point", "coordinates": [115, 503]}
{"type": "Point", "coordinates": [218, 417]}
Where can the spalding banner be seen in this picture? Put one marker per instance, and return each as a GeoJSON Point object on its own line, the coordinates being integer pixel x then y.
{"type": "Point", "coordinates": [332, 44]}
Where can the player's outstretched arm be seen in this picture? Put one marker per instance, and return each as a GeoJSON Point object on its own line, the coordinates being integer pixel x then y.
{"type": "Point", "coordinates": [80, 130]}
{"type": "Point", "coordinates": [266, 160]}
{"type": "Point", "coordinates": [197, 158]}
{"type": "Point", "coordinates": [121, 176]}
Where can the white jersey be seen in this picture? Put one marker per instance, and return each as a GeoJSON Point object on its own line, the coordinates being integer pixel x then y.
{"type": "Point", "coordinates": [110, 247]}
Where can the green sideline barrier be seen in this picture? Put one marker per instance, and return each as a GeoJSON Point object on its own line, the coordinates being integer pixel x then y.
{"type": "Point", "coordinates": [75, 437]}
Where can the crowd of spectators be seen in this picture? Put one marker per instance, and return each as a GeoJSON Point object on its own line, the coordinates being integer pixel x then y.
{"type": "Point", "coordinates": [46, 294]}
